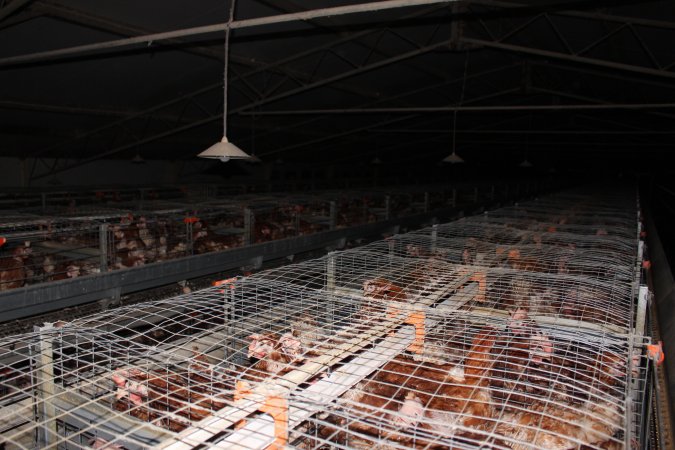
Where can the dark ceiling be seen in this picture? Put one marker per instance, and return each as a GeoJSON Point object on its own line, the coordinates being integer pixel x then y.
{"type": "Point", "coordinates": [546, 80]}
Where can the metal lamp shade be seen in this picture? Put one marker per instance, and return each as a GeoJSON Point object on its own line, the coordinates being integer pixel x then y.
{"type": "Point", "coordinates": [224, 151]}
{"type": "Point", "coordinates": [453, 158]}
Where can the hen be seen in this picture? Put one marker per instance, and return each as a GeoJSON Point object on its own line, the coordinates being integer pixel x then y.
{"type": "Point", "coordinates": [414, 405]}
{"type": "Point", "coordinates": [13, 271]}
{"type": "Point", "coordinates": [559, 426]}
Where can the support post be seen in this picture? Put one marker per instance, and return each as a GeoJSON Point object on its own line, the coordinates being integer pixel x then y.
{"type": "Point", "coordinates": [643, 299]}
{"type": "Point", "coordinates": [44, 202]}
{"type": "Point", "coordinates": [103, 246]}
{"type": "Point", "coordinates": [454, 197]}
{"type": "Point", "coordinates": [330, 273]}
{"type": "Point", "coordinates": [189, 238]}
{"type": "Point", "coordinates": [249, 224]}
{"type": "Point", "coordinates": [387, 207]}
{"type": "Point", "coordinates": [44, 390]}
{"type": "Point", "coordinates": [434, 237]}
{"type": "Point", "coordinates": [426, 202]}
{"type": "Point", "coordinates": [475, 194]}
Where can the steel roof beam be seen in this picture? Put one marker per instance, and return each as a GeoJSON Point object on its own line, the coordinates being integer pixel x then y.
{"type": "Point", "coordinates": [570, 57]}
{"type": "Point", "coordinates": [580, 14]}
{"type": "Point", "coordinates": [9, 9]}
{"type": "Point", "coordinates": [433, 109]}
{"type": "Point", "coordinates": [360, 8]}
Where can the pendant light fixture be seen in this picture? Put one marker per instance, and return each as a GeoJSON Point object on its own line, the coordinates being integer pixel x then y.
{"type": "Point", "coordinates": [225, 150]}
{"type": "Point", "coordinates": [138, 159]}
{"type": "Point", "coordinates": [454, 158]}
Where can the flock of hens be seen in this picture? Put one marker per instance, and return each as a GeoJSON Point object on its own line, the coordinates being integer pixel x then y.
{"type": "Point", "coordinates": [505, 383]}
{"type": "Point", "coordinates": [136, 241]}
{"type": "Point", "coordinates": [509, 384]}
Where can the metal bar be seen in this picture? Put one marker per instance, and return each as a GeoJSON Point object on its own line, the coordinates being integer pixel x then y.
{"type": "Point", "coordinates": [645, 47]}
{"type": "Point", "coordinates": [47, 433]}
{"type": "Point", "coordinates": [196, 31]}
{"type": "Point", "coordinates": [518, 132]}
{"type": "Point", "coordinates": [601, 39]}
{"type": "Point", "coordinates": [572, 58]}
{"type": "Point", "coordinates": [103, 246]}
{"type": "Point", "coordinates": [558, 33]}
{"type": "Point", "coordinates": [643, 299]}
{"type": "Point", "coordinates": [14, 6]}
{"type": "Point", "coordinates": [582, 14]}
{"type": "Point", "coordinates": [249, 227]}
{"type": "Point", "coordinates": [431, 109]}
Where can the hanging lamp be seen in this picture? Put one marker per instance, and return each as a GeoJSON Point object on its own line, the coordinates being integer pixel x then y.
{"type": "Point", "coordinates": [454, 158]}
{"type": "Point", "coordinates": [225, 150]}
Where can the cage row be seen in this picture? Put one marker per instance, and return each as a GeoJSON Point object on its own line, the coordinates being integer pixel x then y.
{"type": "Point", "coordinates": [360, 348]}
{"type": "Point", "coordinates": [96, 239]}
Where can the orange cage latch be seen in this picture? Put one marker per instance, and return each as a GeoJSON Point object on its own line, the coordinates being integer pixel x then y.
{"type": "Point", "coordinates": [417, 319]}
{"type": "Point", "coordinates": [276, 406]}
{"type": "Point", "coordinates": [482, 285]}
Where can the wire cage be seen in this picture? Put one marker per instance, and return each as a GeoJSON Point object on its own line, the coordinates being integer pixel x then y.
{"type": "Point", "coordinates": [358, 349]}
{"type": "Point", "coordinates": [43, 249]}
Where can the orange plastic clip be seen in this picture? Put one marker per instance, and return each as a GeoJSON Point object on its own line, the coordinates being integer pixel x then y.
{"type": "Point", "coordinates": [482, 285]}
{"type": "Point", "coordinates": [643, 234]}
{"type": "Point", "coordinates": [2, 241]}
{"type": "Point", "coordinates": [191, 219]}
{"type": "Point", "coordinates": [655, 352]}
{"type": "Point", "coordinates": [646, 264]}
{"type": "Point", "coordinates": [277, 407]}
{"type": "Point", "coordinates": [417, 319]}
{"type": "Point", "coordinates": [551, 229]}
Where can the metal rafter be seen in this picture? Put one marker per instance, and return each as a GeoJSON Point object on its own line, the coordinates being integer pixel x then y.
{"type": "Point", "coordinates": [485, 37]}
{"type": "Point", "coordinates": [12, 7]}
{"type": "Point", "coordinates": [360, 8]}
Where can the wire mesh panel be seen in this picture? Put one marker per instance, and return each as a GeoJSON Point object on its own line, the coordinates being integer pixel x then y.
{"type": "Point", "coordinates": [379, 347]}
{"type": "Point", "coordinates": [41, 250]}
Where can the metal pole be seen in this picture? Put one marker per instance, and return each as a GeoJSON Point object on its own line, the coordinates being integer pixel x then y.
{"type": "Point", "coordinates": [433, 109]}
{"type": "Point", "coordinates": [330, 272]}
{"type": "Point", "coordinates": [219, 27]}
{"type": "Point", "coordinates": [189, 238]}
{"type": "Point", "coordinates": [387, 207]}
{"type": "Point", "coordinates": [249, 222]}
{"type": "Point", "coordinates": [47, 432]}
{"type": "Point", "coordinates": [426, 202]}
{"type": "Point", "coordinates": [454, 197]}
{"type": "Point", "coordinates": [103, 246]}
{"type": "Point", "coordinates": [569, 57]}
